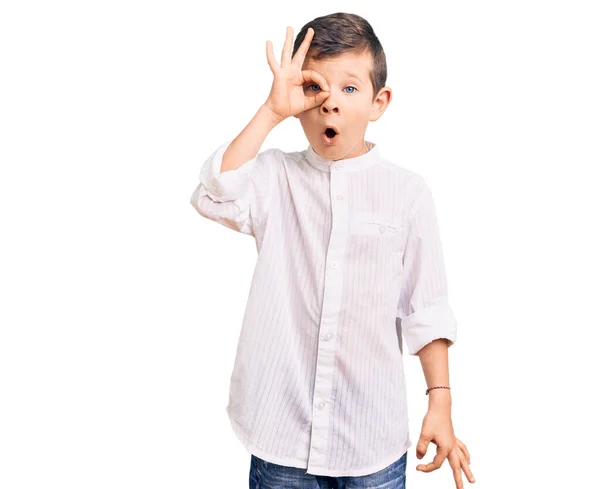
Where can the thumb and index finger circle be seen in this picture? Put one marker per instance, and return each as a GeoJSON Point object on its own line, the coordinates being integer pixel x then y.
{"type": "Point", "coordinates": [312, 75]}
{"type": "Point", "coordinates": [312, 101]}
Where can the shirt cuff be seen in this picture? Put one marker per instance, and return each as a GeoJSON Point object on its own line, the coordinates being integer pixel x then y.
{"type": "Point", "coordinates": [425, 325]}
{"type": "Point", "coordinates": [229, 185]}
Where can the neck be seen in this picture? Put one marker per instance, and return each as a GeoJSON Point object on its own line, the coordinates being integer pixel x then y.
{"type": "Point", "coordinates": [352, 149]}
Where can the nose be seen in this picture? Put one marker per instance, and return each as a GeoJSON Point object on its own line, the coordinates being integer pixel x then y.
{"type": "Point", "coordinates": [329, 105]}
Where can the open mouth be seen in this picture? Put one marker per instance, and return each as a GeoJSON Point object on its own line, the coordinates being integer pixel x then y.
{"type": "Point", "coordinates": [330, 135]}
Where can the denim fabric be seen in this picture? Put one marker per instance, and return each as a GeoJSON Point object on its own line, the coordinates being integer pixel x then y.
{"type": "Point", "coordinates": [267, 475]}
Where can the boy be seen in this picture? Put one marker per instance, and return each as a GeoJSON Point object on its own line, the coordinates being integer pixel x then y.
{"type": "Point", "coordinates": [349, 261]}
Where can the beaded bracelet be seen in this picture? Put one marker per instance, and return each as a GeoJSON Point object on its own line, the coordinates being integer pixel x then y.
{"type": "Point", "coordinates": [436, 387]}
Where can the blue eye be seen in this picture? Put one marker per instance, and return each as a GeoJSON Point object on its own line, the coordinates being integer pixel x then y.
{"type": "Point", "coordinates": [309, 87]}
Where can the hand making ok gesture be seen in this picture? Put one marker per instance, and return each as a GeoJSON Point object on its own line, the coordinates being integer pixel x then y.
{"type": "Point", "coordinates": [288, 96]}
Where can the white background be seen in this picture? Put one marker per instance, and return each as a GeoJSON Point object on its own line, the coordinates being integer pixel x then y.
{"type": "Point", "coordinates": [121, 306]}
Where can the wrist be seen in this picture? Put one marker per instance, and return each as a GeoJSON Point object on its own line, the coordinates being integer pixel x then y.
{"type": "Point", "coordinates": [273, 118]}
{"type": "Point", "coordinates": [440, 402]}
{"type": "Point", "coordinates": [440, 398]}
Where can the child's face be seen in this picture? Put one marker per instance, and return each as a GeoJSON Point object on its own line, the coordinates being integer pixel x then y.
{"type": "Point", "coordinates": [349, 107]}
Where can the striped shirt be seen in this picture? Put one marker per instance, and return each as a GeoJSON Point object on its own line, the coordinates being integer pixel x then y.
{"type": "Point", "coordinates": [349, 263]}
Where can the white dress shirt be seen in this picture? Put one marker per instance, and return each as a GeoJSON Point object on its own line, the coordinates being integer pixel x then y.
{"type": "Point", "coordinates": [349, 262]}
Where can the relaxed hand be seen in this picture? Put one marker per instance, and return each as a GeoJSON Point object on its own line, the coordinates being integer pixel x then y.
{"type": "Point", "coordinates": [437, 428]}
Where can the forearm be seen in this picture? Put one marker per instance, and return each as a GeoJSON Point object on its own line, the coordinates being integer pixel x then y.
{"type": "Point", "coordinates": [248, 142]}
{"type": "Point", "coordinates": [434, 360]}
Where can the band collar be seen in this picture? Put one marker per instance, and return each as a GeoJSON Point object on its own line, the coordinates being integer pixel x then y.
{"type": "Point", "coordinates": [357, 163]}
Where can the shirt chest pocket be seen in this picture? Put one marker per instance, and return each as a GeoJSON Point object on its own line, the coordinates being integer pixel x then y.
{"type": "Point", "coordinates": [377, 229]}
{"type": "Point", "coordinates": [375, 224]}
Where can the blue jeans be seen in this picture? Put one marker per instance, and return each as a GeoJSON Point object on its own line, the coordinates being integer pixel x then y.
{"type": "Point", "coordinates": [267, 475]}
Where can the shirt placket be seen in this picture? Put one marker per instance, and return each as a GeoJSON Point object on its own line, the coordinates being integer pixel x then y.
{"type": "Point", "coordinates": [328, 327]}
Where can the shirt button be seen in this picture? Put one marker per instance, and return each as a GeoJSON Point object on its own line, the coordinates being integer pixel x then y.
{"type": "Point", "coordinates": [334, 264]}
{"type": "Point", "coordinates": [340, 196]}
{"type": "Point", "coordinates": [381, 228]}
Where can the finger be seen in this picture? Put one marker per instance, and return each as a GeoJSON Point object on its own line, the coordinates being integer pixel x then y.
{"type": "Point", "coordinates": [312, 75]}
{"type": "Point", "coordinates": [315, 100]}
{"type": "Point", "coordinates": [271, 58]}
{"type": "Point", "coordinates": [466, 469]}
{"type": "Point", "coordinates": [431, 466]}
{"type": "Point", "coordinates": [438, 460]}
{"type": "Point", "coordinates": [286, 54]}
{"type": "Point", "coordinates": [455, 464]}
{"type": "Point", "coordinates": [298, 59]}
{"type": "Point", "coordinates": [422, 446]}
{"type": "Point", "coordinates": [463, 447]}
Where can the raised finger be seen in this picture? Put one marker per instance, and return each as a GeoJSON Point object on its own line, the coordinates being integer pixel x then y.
{"type": "Point", "coordinates": [312, 75]}
{"type": "Point", "coordinates": [463, 447]}
{"type": "Point", "coordinates": [303, 49]}
{"type": "Point", "coordinates": [286, 54]}
{"type": "Point", "coordinates": [271, 58]}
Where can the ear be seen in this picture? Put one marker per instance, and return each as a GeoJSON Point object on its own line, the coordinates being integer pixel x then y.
{"type": "Point", "coordinates": [380, 103]}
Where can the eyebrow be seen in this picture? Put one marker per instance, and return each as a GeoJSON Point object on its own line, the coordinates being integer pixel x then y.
{"type": "Point", "coordinates": [349, 73]}
{"type": "Point", "coordinates": [353, 75]}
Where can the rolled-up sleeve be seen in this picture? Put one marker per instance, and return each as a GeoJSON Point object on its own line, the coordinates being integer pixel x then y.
{"type": "Point", "coordinates": [423, 306]}
{"type": "Point", "coordinates": [238, 199]}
